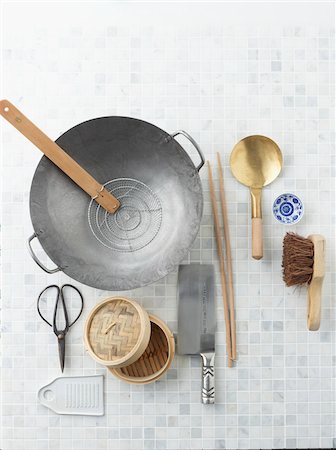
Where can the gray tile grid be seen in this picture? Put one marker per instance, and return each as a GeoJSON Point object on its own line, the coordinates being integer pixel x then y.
{"type": "Point", "coordinates": [220, 84]}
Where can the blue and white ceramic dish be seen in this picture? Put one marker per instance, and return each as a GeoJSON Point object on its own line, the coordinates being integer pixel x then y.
{"type": "Point", "coordinates": [288, 209]}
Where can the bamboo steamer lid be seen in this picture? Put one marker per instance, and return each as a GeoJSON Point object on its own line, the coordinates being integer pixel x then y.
{"type": "Point", "coordinates": [117, 332]}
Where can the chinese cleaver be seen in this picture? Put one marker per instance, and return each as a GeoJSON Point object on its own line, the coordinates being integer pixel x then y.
{"type": "Point", "coordinates": [197, 321]}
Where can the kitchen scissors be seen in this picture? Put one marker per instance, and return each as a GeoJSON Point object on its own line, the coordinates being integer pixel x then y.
{"type": "Point", "coordinates": [60, 303]}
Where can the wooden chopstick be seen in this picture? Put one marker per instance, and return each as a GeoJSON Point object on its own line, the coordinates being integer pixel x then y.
{"type": "Point", "coordinates": [228, 258]}
{"type": "Point", "coordinates": [221, 265]}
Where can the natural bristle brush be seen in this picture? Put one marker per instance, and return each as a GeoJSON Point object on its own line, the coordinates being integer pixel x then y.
{"type": "Point", "coordinates": [303, 263]}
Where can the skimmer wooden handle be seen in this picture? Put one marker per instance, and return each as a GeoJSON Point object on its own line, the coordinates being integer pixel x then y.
{"type": "Point", "coordinates": [59, 157]}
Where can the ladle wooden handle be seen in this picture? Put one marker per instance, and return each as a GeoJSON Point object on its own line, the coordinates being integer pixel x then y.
{"type": "Point", "coordinates": [257, 238]}
{"type": "Point", "coordinates": [257, 233]}
{"type": "Point", "coordinates": [59, 157]}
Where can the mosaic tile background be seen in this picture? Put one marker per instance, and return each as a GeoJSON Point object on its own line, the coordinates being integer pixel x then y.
{"type": "Point", "coordinates": [221, 72]}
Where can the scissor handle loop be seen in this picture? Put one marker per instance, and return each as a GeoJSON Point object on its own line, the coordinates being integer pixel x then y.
{"type": "Point", "coordinates": [60, 297]}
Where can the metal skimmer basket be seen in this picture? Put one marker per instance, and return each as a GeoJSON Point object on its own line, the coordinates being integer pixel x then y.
{"type": "Point", "coordinates": [137, 221]}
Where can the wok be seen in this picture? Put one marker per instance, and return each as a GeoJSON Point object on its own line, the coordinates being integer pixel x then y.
{"type": "Point", "coordinates": [159, 190]}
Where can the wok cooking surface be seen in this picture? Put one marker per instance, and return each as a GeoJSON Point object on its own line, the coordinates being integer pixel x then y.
{"type": "Point", "coordinates": [161, 205]}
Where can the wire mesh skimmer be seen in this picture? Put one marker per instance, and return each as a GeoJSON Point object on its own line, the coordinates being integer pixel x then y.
{"type": "Point", "coordinates": [137, 221]}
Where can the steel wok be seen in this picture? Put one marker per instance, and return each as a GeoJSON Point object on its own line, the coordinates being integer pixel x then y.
{"type": "Point", "coordinates": [160, 190]}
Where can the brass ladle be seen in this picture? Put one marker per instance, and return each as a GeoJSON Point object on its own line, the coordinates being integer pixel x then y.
{"type": "Point", "coordinates": [255, 162]}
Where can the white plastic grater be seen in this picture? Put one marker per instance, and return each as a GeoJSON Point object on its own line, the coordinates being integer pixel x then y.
{"type": "Point", "coordinates": [74, 395]}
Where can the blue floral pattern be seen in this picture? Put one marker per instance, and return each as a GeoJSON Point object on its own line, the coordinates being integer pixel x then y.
{"type": "Point", "coordinates": [288, 209]}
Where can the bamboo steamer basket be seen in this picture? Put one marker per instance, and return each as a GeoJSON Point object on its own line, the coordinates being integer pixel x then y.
{"type": "Point", "coordinates": [136, 347]}
{"type": "Point", "coordinates": [155, 360]}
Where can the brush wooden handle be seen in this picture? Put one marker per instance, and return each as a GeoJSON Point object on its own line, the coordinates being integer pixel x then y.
{"type": "Point", "coordinates": [257, 238]}
{"type": "Point", "coordinates": [314, 304]}
{"type": "Point", "coordinates": [59, 157]}
{"type": "Point", "coordinates": [315, 286]}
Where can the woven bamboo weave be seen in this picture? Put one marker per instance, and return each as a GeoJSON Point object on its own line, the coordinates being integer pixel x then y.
{"type": "Point", "coordinates": [114, 330]}
{"type": "Point", "coordinates": [154, 357]}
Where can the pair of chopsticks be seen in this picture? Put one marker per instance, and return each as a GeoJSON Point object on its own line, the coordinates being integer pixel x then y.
{"type": "Point", "coordinates": [227, 288]}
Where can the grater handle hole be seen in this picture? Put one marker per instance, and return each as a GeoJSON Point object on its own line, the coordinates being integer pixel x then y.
{"type": "Point", "coordinates": [48, 395]}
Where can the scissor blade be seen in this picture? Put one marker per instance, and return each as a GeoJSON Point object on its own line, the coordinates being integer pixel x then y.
{"type": "Point", "coordinates": [61, 351]}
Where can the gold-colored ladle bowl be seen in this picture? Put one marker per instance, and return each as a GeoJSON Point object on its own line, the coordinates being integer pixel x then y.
{"type": "Point", "coordinates": [255, 162]}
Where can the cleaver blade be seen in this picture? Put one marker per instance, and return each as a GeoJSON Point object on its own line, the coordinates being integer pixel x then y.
{"type": "Point", "coordinates": [197, 320]}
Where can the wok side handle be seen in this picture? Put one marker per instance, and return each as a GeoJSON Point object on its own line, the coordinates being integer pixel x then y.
{"type": "Point", "coordinates": [194, 143]}
{"type": "Point", "coordinates": [35, 258]}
